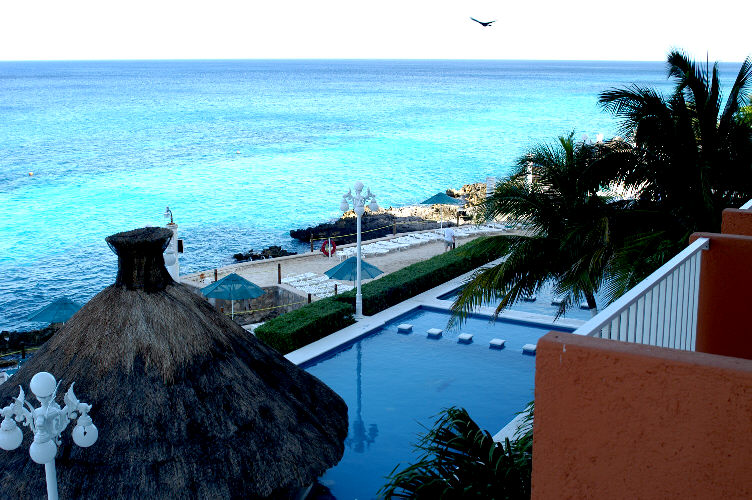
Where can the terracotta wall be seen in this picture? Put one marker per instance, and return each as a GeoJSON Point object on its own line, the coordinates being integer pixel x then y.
{"type": "Point", "coordinates": [724, 310]}
{"type": "Point", "coordinates": [616, 420]}
{"type": "Point", "coordinates": [736, 221]}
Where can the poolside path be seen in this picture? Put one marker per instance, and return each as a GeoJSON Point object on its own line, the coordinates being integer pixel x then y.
{"type": "Point", "coordinates": [264, 272]}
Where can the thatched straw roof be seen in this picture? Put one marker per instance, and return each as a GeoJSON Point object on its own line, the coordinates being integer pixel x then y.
{"type": "Point", "coordinates": [188, 404]}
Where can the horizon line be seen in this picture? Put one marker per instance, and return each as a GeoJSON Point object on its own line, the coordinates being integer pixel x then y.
{"type": "Point", "coordinates": [342, 59]}
{"type": "Point", "coordinates": [328, 59]}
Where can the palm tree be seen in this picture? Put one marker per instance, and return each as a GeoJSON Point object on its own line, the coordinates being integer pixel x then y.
{"type": "Point", "coordinates": [572, 235]}
{"type": "Point", "coordinates": [688, 157]}
{"type": "Point", "coordinates": [692, 157]}
{"type": "Point", "coordinates": [460, 460]}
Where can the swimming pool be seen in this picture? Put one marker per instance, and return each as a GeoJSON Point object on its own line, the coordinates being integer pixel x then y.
{"type": "Point", "coordinates": [541, 305]}
{"type": "Point", "coordinates": [395, 382]}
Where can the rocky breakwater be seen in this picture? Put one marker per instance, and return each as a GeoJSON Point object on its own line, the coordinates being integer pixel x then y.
{"type": "Point", "coordinates": [374, 225]}
{"type": "Point", "coordinates": [267, 253]}
{"type": "Point", "coordinates": [474, 195]}
{"type": "Point", "coordinates": [400, 220]}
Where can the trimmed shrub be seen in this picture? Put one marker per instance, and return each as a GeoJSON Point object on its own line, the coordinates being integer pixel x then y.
{"type": "Point", "coordinates": [311, 322]}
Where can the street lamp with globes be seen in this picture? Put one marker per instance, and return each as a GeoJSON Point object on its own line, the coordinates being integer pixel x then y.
{"type": "Point", "coordinates": [47, 423]}
{"type": "Point", "coordinates": [358, 201]}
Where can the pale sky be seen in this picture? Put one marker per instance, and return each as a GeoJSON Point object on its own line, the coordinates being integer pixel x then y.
{"type": "Point", "coordinates": [642, 30]}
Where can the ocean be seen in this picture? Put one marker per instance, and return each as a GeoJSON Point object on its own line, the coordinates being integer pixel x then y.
{"type": "Point", "coordinates": [244, 151]}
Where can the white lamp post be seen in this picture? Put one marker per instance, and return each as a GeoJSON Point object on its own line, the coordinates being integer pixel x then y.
{"type": "Point", "coordinates": [358, 202]}
{"type": "Point", "coordinates": [47, 423]}
{"type": "Point", "coordinates": [168, 215]}
{"type": "Point", "coordinates": [171, 253]}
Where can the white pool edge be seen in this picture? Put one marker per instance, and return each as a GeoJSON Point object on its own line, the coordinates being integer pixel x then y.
{"type": "Point", "coordinates": [510, 430]}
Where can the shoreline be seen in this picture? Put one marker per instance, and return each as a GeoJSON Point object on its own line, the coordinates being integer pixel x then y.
{"type": "Point", "coordinates": [198, 260]}
{"type": "Point", "coordinates": [380, 224]}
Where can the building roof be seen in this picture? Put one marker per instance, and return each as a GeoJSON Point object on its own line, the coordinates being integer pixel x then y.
{"type": "Point", "coordinates": [187, 403]}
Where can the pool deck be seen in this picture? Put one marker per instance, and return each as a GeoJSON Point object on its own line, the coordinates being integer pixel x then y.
{"type": "Point", "coordinates": [264, 272]}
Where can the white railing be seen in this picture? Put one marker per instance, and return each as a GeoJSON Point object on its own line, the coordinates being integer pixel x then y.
{"type": "Point", "coordinates": [661, 310]}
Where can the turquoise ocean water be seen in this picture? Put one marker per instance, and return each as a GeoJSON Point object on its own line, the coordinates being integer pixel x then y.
{"type": "Point", "coordinates": [244, 151]}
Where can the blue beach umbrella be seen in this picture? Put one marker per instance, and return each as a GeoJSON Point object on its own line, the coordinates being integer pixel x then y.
{"type": "Point", "coordinates": [441, 198]}
{"type": "Point", "coordinates": [348, 270]}
{"type": "Point", "coordinates": [232, 287]}
{"type": "Point", "coordinates": [58, 311]}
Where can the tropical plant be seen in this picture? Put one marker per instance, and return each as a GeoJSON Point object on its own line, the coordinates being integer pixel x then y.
{"type": "Point", "coordinates": [460, 460]}
{"type": "Point", "coordinates": [300, 327]}
{"type": "Point", "coordinates": [745, 115]}
{"type": "Point", "coordinates": [691, 158]}
{"type": "Point", "coordinates": [571, 235]}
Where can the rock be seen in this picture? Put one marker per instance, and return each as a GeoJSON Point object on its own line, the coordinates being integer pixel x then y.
{"type": "Point", "coordinates": [267, 253]}
{"type": "Point", "coordinates": [374, 225]}
{"type": "Point", "coordinates": [474, 193]}
{"type": "Point", "coordinates": [409, 218]}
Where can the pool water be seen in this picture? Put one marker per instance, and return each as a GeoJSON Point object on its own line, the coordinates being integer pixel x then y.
{"type": "Point", "coordinates": [541, 305]}
{"type": "Point", "coordinates": [395, 383]}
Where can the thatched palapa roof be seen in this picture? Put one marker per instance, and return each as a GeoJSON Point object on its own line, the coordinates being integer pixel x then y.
{"type": "Point", "coordinates": [188, 404]}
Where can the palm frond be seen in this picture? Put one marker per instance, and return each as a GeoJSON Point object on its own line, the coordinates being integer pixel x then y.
{"type": "Point", "coordinates": [689, 75]}
{"type": "Point", "coordinates": [636, 106]}
{"type": "Point", "coordinates": [738, 95]}
{"type": "Point", "coordinates": [460, 460]}
{"type": "Point", "coordinates": [518, 275]}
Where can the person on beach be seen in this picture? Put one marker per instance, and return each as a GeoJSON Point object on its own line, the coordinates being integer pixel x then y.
{"type": "Point", "coordinates": [449, 239]}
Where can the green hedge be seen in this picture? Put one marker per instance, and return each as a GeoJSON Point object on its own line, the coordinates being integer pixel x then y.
{"type": "Point", "coordinates": [311, 322]}
{"type": "Point", "coordinates": [422, 276]}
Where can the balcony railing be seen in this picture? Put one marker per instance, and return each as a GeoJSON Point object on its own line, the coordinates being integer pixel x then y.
{"type": "Point", "coordinates": [661, 310]}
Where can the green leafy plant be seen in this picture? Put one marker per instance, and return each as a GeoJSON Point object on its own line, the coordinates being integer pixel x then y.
{"type": "Point", "coordinates": [572, 233]}
{"type": "Point", "coordinates": [745, 115]}
{"type": "Point", "coordinates": [688, 155]}
{"type": "Point", "coordinates": [460, 460]}
{"type": "Point", "coordinates": [691, 157]}
{"type": "Point", "coordinates": [294, 329]}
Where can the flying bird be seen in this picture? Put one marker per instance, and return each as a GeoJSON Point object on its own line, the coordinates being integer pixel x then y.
{"type": "Point", "coordinates": [482, 23]}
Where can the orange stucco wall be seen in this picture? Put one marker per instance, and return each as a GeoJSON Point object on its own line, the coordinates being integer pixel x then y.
{"type": "Point", "coordinates": [724, 310]}
{"type": "Point", "coordinates": [615, 420]}
{"type": "Point", "coordinates": [737, 221]}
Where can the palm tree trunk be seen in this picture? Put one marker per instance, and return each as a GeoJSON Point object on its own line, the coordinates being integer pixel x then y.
{"type": "Point", "coordinates": [592, 304]}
